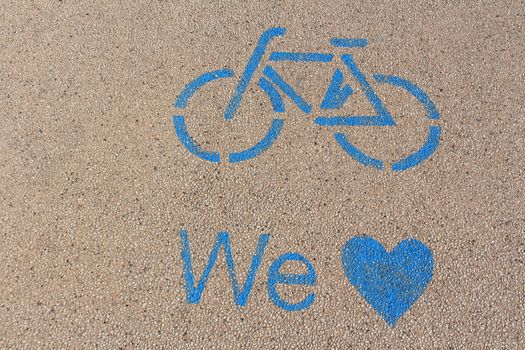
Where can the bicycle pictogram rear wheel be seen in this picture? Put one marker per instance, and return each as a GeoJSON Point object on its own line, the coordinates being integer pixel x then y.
{"type": "Point", "coordinates": [181, 127]}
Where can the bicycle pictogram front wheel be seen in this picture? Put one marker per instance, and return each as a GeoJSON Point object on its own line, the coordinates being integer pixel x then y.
{"type": "Point", "coordinates": [425, 151]}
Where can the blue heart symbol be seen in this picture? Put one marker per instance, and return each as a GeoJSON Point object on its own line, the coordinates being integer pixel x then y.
{"type": "Point", "coordinates": [390, 282]}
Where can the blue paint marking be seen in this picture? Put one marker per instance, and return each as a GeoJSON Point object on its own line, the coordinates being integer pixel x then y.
{"type": "Point", "coordinates": [423, 153]}
{"type": "Point", "coordinates": [252, 65]}
{"type": "Point", "coordinates": [274, 95]}
{"type": "Point", "coordinates": [276, 277]}
{"type": "Point", "coordinates": [264, 144]}
{"type": "Point", "coordinates": [192, 146]}
{"type": "Point", "coordinates": [354, 120]}
{"type": "Point", "coordinates": [197, 83]}
{"type": "Point", "coordinates": [413, 89]}
{"type": "Point", "coordinates": [390, 282]}
{"type": "Point", "coordinates": [383, 118]}
{"type": "Point", "coordinates": [356, 154]}
{"type": "Point", "coordinates": [240, 295]}
{"type": "Point", "coordinates": [348, 42]}
{"type": "Point", "coordinates": [275, 78]}
{"type": "Point", "coordinates": [301, 56]}
{"type": "Point", "coordinates": [336, 96]}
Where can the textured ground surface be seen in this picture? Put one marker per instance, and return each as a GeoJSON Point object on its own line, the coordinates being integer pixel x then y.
{"type": "Point", "coordinates": [95, 185]}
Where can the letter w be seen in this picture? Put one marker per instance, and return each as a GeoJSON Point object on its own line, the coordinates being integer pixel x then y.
{"type": "Point", "coordinates": [193, 293]}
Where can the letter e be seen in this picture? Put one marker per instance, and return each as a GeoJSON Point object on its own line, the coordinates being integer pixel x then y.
{"type": "Point", "coordinates": [275, 277]}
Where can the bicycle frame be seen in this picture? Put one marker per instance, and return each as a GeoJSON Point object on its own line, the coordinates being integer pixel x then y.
{"type": "Point", "coordinates": [335, 96]}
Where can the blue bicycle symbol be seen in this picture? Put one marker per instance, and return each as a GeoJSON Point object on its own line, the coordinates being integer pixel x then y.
{"type": "Point", "coordinates": [336, 94]}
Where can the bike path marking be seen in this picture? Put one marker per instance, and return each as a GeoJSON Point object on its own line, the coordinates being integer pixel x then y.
{"type": "Point", "coordinates": [337, 93]}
